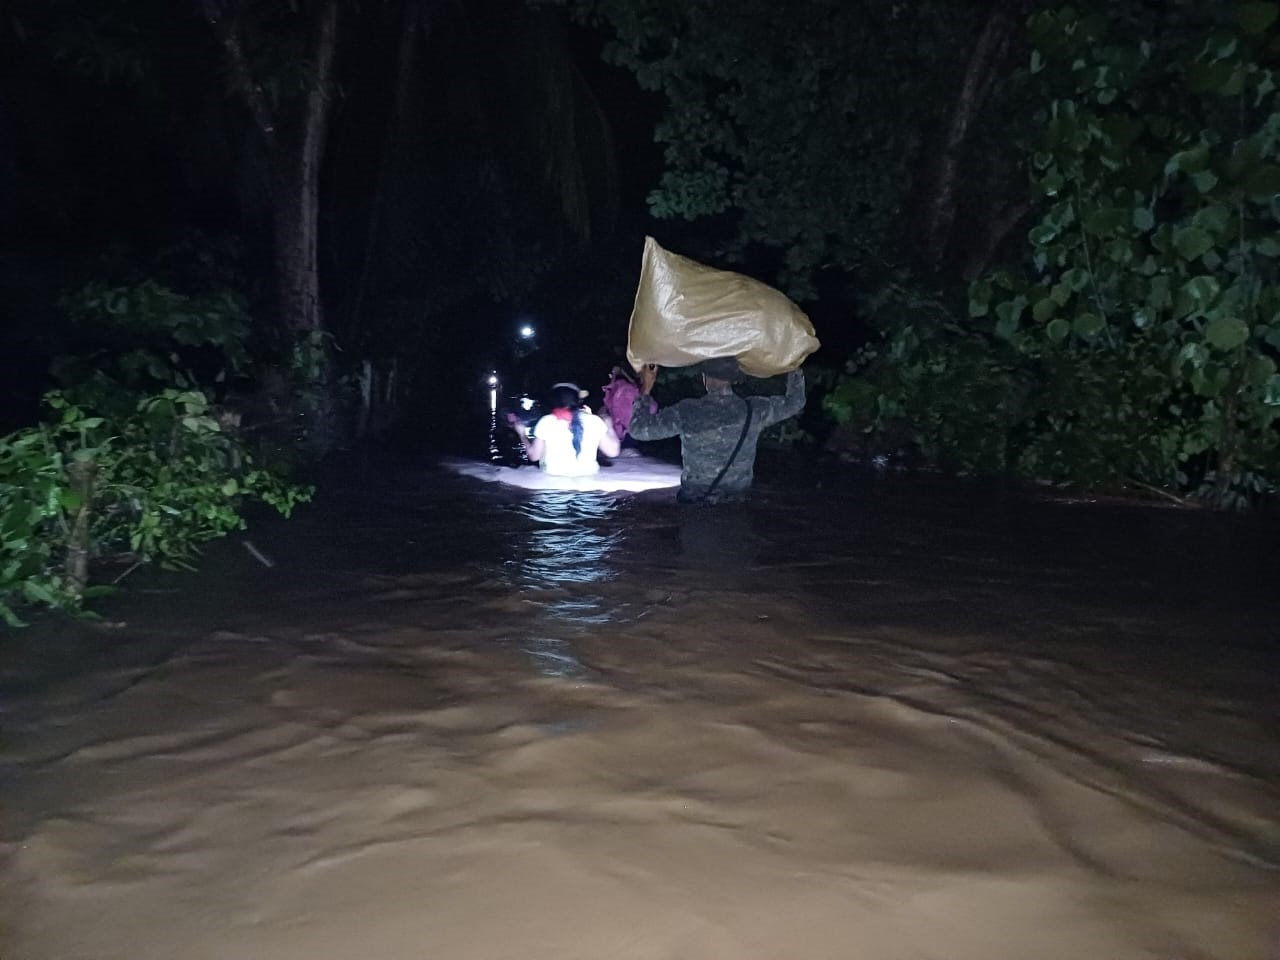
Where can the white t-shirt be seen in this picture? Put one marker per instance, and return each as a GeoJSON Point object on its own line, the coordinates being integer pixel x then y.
{"type": "Point", "coordinates": [558, 458]}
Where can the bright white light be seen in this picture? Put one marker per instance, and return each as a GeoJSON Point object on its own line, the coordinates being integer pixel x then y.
{"type": "Point", "coordinates": [493, 401]}
{"type": "Point", "coordinates": [527, 332]}
{"type": "Point", "coordinates": [526, 403]}
{"type": "Point", "coordinates": [631, 474]}
{"type": "Point", "coordinates": [493, 379]}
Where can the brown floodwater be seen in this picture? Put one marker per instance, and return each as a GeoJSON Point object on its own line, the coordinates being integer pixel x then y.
{"type": "Point", "coordinates": [870, 716]}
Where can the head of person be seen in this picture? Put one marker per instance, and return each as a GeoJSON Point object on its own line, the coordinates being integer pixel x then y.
{"type": "Point", "coordinates": [567, 398]}
{"type": "Point", "coordinates": [720, 374]}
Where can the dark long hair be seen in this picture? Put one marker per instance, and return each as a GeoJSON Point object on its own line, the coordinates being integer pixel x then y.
{"type": "Point", "coordinates": [564, 396]}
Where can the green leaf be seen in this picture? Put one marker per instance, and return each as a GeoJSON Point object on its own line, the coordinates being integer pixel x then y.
{"type": "Point", "coordinates": [1043, 310]}
{"type": "Point", "coordinates": [1057, 329]}
{"type": "Point", "coordinates": [1268, 247]}
{"type": "Point", "coordinates": [1261, 369]}
{"type": "Point", "coordinates": [1042, 234]}
{"type": "Point", "coordinates": [1200, 292]}
{"type": "Point", "coordinates": [1216, 77]}
{"type": "Point", "coordinates": [1205, 180]}
{"type": "Point", "coordinates": [1088, 325]}
{"type": "Point", "coordinates": [1257, 18]}
{"type": "Point", "coordinates": [1188, 161]}
{"type": "Point", "coordinates": [1215, 218]}
{"type": "Point", "coordinates": [1226, 333]}
{"type": "Point", "coordinates": [1143, 219]}
{"type": "Point", "coordinates": [1271, 395]}
{"type": "Point", "coordinates": [230, 487]}
{"type": "Point", "coordinates": [9, 617]}
{"type": "Point", "coordinates": [1191, 242]}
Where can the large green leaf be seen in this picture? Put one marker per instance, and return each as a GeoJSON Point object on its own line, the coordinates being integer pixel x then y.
{"type": "Point", "coordinates": [1191, 242]}
{"type": "Point", "coordinates": [1197, 294]}
{"type": "Point", "coordinates": [1088, 325]}
{"type": "Point", "coordinates": [1226, 333]}
{"type": "Point", "coordinates": [1188, 161]}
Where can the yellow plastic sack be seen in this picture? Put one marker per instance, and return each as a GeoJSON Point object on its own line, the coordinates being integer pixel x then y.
{"type": "Point", "coordinates": [686, 312]}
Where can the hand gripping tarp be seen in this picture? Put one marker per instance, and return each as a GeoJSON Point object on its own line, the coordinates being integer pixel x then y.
{"type": "Point", "coordinates": [686, 312]}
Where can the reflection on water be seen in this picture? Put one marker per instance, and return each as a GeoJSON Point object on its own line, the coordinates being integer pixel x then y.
{"type": "Point", "coordinates": [554, 658]}
{"type": "Point", "coordinates": [563, 551]}
{"type": "Point", "coordinates": [569, 540]}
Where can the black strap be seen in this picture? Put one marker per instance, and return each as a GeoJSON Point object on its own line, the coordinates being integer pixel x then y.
{"type": "Point", "coordinates": [746, 426]}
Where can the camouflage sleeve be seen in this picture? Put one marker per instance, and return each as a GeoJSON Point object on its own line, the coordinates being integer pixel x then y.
{"type": "Point", "coordinates": [647, 425]}
{"type": "Point", "coordinates": [787, 405]}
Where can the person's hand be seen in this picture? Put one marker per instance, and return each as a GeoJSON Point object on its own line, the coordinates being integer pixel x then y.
{"type": "Point", "coordinates": [648, 377]}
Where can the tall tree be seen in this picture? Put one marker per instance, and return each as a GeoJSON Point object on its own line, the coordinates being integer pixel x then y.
{"type": "Point", "coordinates": [280, 60]}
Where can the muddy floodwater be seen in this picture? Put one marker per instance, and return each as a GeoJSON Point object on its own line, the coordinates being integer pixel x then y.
{"type": "Point", "coordinates": [877, 719]}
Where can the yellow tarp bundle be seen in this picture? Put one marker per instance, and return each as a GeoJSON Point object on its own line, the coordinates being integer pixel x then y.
{"type": "Point", "coordinates": [686, 312]}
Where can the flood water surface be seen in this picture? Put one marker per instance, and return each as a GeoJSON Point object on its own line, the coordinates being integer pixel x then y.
{"type": "Point", "coordinates": [886, 720]}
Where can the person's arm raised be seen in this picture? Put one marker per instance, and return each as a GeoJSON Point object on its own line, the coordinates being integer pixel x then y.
{"type": "Point", "coordinates": [645, 423]}
{"type": "Point", "coordinates": [789, 404]}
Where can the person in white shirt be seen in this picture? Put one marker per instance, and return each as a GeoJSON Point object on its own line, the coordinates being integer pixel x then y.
{"type": "Point", "coordinates": [565, 441]}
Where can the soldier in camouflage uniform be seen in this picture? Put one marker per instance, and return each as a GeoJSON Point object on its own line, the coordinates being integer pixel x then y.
{"type": "Point", "coordinates": [709, 429]}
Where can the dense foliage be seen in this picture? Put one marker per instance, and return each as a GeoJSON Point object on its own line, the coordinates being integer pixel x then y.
{"type": "Point", "coordinates": [1139, 341]}
{"type": "Point", "coordinates": [133, 462]}
{"type": "Point", "coordinates": [799, 130]}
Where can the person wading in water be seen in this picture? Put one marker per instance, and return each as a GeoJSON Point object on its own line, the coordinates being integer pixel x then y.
{"type": "Point", "coordinates": [564, 442]}
{"type": "Point", "coordinates": [718, 432]}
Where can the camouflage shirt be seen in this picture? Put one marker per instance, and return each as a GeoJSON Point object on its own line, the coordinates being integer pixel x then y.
{"type": "Point", "coordinates": [709, 428]}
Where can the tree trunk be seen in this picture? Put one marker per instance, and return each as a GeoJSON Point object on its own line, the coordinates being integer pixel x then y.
{"type": "Point", "coordinates": [295, 226]}
{"type": "Point", "coordinates": [295, 155]}
{"type": "Point", "coordinates": [79, 542]}
{"type": "Point", "coordinates": [295, 146]}
{"type": "Point", "coordinates": [297, 165]}
{"type": "Point", "coordinates": [980, 75]}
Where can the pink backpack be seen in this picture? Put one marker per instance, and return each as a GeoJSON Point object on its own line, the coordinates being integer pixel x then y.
{"type": "Point", "coordinates": [619, 397]}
